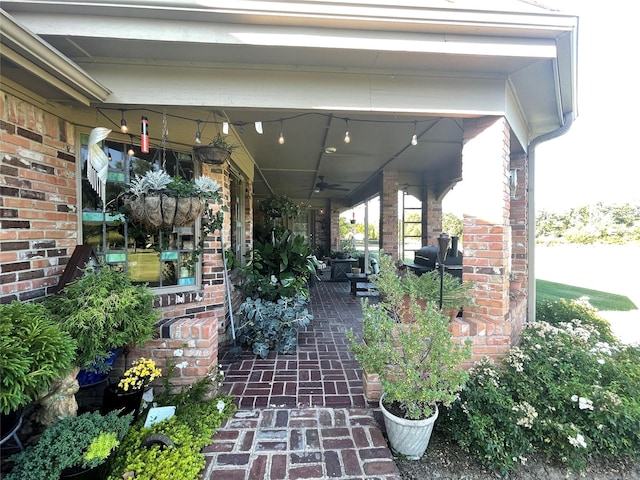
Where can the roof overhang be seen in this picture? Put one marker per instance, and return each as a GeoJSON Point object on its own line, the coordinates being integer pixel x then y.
{"type": "Point", "coordinates": [27, 59]}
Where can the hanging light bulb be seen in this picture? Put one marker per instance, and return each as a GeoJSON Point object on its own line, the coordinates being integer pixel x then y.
{"type": "Point", "coordinates": [259, 129]}
{"type": "Point", "coordinates": [131, 152]}
{"type": "Point", "coordinates": [281, 137]}
{"type": "Point", "coordinates": [225, 128]}
{"type": "Point", "coordinates": [414, 139]}
{"type": "Point", "coordinates": [347, 137]}
{"type": "Point", "coordinates": [198, 133]}
{"type": "Point", "coordinates": [123, 124]}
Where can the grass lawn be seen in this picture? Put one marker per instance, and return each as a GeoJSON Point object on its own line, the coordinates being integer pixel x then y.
{"type": "Point", "coordinates": [552, 291]}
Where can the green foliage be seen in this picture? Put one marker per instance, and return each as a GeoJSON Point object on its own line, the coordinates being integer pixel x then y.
{"type": "Point", "coordinates": [192, 427]}
{"type": "Point", "coordinates": [564, 311]}
{"type": "Point", "coordinates": [101, 446]}
{"type": "Point", "coordinates": [279, 267]}
{"type": "Point", "coordinates": [103, 310]}
{"type": "Point", "coordinates": [273, 325]}
{"type": "Point", "coordinates": [278, 206]}
{"type": "Point", "coordinates": [452, 225]}
{"type": "Point", "coordinates": [418, 362]}
{"type": "Point", "coordinates": [34, 352]}
{"type": "Point", "coordinates": [221, 142]}
{"type": "Point", "coordinates": [64, 445]}
{"type": "Point", "coordinates": [564, 392]}
{"type": "Point", "coordinates": [599, 223]}
{"type": "Point", "coordinates": [394, 286]}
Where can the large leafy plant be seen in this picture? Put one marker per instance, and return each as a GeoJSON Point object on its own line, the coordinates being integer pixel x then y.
{"type": "Point", "coordinates": [34, 351]}
{"type": "Point", "coordinates": [103, 310]}
{"type": "Point", "coordinates": [278, 267]}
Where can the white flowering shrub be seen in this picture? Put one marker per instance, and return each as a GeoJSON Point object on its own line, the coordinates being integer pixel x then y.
{"type": "Point", "coordinates": [567, 391]}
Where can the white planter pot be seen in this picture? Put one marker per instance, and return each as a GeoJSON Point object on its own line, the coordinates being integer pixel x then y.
{"type": "Point", "coordinates": [408, 437]}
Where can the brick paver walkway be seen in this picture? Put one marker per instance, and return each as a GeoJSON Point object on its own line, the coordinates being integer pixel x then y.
{"type": "Point", "coordinates": [303, 416]}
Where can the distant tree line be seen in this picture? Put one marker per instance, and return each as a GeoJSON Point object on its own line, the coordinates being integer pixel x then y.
{"type": "Point", "coordinates": [599, 223]}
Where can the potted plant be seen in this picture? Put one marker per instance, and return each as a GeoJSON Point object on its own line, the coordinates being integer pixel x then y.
{"type": "Point", "coordinates": [126, 395]}
{"type": "Point", "coordinates": [75, 447]}
{"type": "Point", "coordinates": [418, 364]}
{"type": "Point", "coordinates": [158, 200]}
{"type": "Point", "coordinates": [216, 153]}
{"type": "Point", "coordinates": [102, 310]}
{"type": "Point", "coordinates": [274, 282]}
{"type": "Point", "coordinates": [279, 206]}
{"type": "Point", "coordinates": [34, 353]}
{"type": "Point", "coordinates": [396, 286]}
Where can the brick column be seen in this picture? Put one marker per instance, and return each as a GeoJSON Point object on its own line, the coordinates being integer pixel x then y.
{"type": "Point", "coordinates": [431, 218]}
{"type": "Point", "coordinates": [389, 214]}
{"type": "Point", "coordinates": [487, 233]}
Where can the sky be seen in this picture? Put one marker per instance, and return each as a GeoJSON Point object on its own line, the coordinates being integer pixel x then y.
{"type": "Point", "coordinates": [597, 160]}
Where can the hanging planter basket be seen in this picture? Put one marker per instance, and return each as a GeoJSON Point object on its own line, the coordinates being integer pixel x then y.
{"type": "Point", "coordinates": [211, 154]}
{"type": "Point", "coordinates": [164, 211]}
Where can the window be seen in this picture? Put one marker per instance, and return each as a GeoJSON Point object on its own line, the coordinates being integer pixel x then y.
{"type": "Point", "coordinates": [411, 227]}
{"type": "Point", "coordinates": [160, 258]}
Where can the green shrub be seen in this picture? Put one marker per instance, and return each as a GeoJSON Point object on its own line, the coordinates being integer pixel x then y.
{"type": "Point", "coordinates": [103, 310]}
{"type": "Point", "coordinates": [34, 352]}
{"type": "Point", "coordinates": [190, 429]}
{"type": "Point", "coordinates": [563, 392]}
{"type": "Point", "coordinates": [567, 310]}
{"type": "Point", "coordinates": [64, 445]}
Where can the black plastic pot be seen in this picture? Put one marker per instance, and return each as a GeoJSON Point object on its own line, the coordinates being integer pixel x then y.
{"type": "Point", "coordinates": [116, 399]}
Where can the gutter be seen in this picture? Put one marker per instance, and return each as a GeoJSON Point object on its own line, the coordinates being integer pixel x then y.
{"type": "Point", "coordinates": [32, 53]}
{"type": "Point", "coordinates": [531, 211]}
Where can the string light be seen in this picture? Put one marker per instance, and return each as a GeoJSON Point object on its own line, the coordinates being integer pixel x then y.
{"type": "Point", "coordinates": [131, 152]}
{"type": "Point", "coordinates": [123, 124]}
{"type": "Point", "coordinates": [258, 126]}
{"type": "Point", "coordinates": [281, 137]}
{"type": "Point", "coordinates": [225, 128]}
{"type": "Point", "coordinates": [347, 137]}
{"type": "Point", "coordinates": [198, 133]}
{"type": "Point", "coordinates": [414, 139]}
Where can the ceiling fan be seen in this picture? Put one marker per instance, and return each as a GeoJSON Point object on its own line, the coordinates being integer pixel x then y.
{"type": "Point", "coordinates": [321, 186]}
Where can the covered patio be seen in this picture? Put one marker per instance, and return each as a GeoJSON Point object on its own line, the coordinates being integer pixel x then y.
{"type": "Point", "coordinates": [303, 415]}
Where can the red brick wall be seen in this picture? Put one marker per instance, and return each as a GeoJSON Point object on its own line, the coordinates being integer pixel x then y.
{"type": "Point", "coordinates": [39, 230]}
{"type": "Point", "coordinates": [38, 208]}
